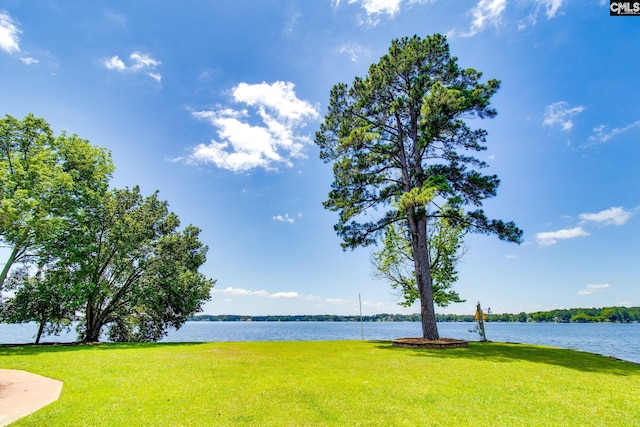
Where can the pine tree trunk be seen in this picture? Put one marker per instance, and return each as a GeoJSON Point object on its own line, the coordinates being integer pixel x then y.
{"type": "Point", "coordinates": [423, 277]}
{"type": "Point", "coordinates": [427, 311]}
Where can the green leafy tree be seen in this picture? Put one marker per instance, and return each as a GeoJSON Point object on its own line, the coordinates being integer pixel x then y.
{"type": "Point", "coordinates": [131, 268]}
{"type": "Point", "coordinates": [37, 299]}
{"type": "Point", "coordinates": [614, 314]}
{"type": "Point", "coordinates": [400, 142]}
{"type": "Point", "coordinates": [26, 162]}
{"type": "Point", "coordinates": [394, 262]}
{"type": "Point", "coordinates": [43, 181]}
{"type": "Point", "coordinates": [112, 257]}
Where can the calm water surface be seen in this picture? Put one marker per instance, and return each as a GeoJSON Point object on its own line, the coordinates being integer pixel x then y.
{"type": "Point", "coordinates": [610, 339]}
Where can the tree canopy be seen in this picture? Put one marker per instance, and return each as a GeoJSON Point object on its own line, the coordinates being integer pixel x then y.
{"type": "Point", "coordinates": [137, 273]}
{"type": "Point", "coordinates": [43, 181]}
{"type": "Point", "coordinates": [401, 148]}
{"type": "Point", "coordinates": [100, 257]}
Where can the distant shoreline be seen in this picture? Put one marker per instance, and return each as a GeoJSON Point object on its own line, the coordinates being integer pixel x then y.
{"type": "Point", "coordinates": [573, 315]}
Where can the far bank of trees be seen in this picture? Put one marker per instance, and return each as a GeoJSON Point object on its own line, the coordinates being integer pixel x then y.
{"type": "Point", "coordinates": [579, 315]}
{"type": "Point", "coordinates": [83, 253]}
{"type": "Point", "coordinates": [306, 318]}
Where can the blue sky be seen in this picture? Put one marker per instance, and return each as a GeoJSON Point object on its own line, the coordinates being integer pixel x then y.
{"type": "Point", "coordinates": [215, 104]}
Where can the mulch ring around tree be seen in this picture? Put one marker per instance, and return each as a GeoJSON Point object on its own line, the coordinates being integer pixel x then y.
{"type": "Point", "coordinates": [441, 343]}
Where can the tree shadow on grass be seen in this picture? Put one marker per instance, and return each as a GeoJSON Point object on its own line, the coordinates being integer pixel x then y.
{"type": "Point", "coordinates": [33, 349]}
{"type": "Point", "coordinates": [510, 352]}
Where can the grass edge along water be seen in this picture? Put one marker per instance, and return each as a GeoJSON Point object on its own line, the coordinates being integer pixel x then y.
{"type": "Point", "coordinates": [329, 383]}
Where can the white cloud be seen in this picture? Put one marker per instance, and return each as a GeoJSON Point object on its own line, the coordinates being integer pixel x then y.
{"type": "Point", "coordinates": [376, 7]}
{"type": "Point", "coordinates": [275, 295]}
{"type": "Point", "coordinates": [115, 63]}
{"type": "Point", "coordinates": [239, 291]}
{"type": "Point", "coordinates": [285, 295]}
{"type": "Point", "coordinates": [143, 60]}
{"type": "Point", "coordinates": [601, 133]}
{"type": "Point", "coordinates": [279, 97]}
{"type": "Point", "coordinates": [354, 51]}
{"type": "Point", "coordinates": [593, 288]}
{"type": "Point", "coordinates": [389, 7]}
{"type": "Point", "coordinates": [486, 12]}
{"type": "Point", "coordinates": [559, 113]}
{"type": "Point", "coordinates": [611, 216]}
{"type": "Point", "coordinates": [29, 61]}
{"type": "Point", "coordinates": [9, 40]}
{"type": "Point", "coordinates": [373, 304]}
{"type": "Point", "coordinates": [140, 62]}
{"type": "Point", "coordinates": [547, 238]}
{"type": "Point", "coordinates": [274, 141]}
{"type": "Point", "coordinates": [285, 218]}
{"type": "Point", "coordinates": [551, 6]}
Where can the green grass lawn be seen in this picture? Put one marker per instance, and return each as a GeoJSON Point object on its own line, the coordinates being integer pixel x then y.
{"type": "Point", "coordinates": [336, 383]}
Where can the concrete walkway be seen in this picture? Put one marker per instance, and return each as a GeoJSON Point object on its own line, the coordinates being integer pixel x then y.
{"type": "Point", "coordinates": [22, 393]}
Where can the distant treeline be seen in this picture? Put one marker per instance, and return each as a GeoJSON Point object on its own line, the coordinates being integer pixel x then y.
{"type": "Point", "coordinates": [308, 318]}
{"type": "Point", "coordinates": [579, 315]}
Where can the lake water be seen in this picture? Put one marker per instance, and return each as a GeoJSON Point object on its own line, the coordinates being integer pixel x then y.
{"type": "Point", "coordinates": [610, 339]}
